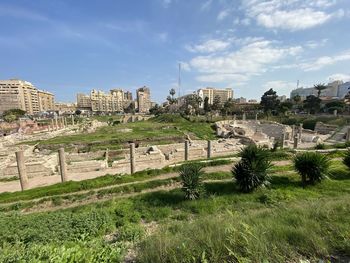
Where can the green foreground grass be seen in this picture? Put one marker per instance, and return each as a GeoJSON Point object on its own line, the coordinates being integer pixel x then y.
{"type": "Point", "coordinates": [281, 223]}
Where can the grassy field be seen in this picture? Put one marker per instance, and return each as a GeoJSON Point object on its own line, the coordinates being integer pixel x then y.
{"type": "Point", "coordinates": [159, 130]}
{"type": "Point", "coordinates": [280, 223]}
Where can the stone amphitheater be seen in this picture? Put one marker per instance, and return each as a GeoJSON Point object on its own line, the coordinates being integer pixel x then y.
{"type": "Point", "coordinates": [233, 135]}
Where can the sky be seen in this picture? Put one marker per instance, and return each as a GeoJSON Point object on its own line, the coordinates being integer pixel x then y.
{"type": "Point", "coordinates": [69, 47]}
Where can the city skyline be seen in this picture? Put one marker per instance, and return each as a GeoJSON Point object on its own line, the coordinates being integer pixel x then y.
{"type": "Point", "coordinates": [250, 46]}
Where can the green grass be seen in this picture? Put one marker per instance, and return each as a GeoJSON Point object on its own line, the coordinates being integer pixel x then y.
{"type": "Point", "coordinates": [284, 222]}
{"type": "Point", "coordinates": [153, 131]}
{"type": "Point", "coordinates": [90, 184]}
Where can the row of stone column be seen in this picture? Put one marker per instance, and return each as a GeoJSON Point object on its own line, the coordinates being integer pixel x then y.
{"type": "Point", "coordinates": [56, 123]}
{"type": "Point", "coordinates": [244, 117]}
{"type": "Point", "coordinates": [186, 154]}
{"type": "Point", "coordinates": [22, 171]}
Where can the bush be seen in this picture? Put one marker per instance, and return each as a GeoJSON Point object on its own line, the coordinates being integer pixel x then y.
{"type": "Point", "coordinates": [346, 159]}
{"type": "Point", "coordinates": [320, 146]}
{"type": "Point", "coordinates": [190, 175]}
{"type": "Point", "coordinates": [311, 166]}
{"type": "Point", "coordinates": [251, 171]}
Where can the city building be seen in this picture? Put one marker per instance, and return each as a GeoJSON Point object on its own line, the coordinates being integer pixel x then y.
{"type": "Point", "coordinates": [331, 92]}
{"type": "Point", "coordinates": [99, 101]}
{"type": "Point", "coordinates": [211, 93]}
{"type": "Point", "coordinates": [143, 97]}
{"type": "Point", "coordinates": [20, 94]}
{"type": "Point", "coordinates": [83, 101]}
{"type": "Point", "coordinates": [65, 108]}
{"type": "Point", "coordinates": [240, 100]}
{"type": "Point", "coordinates": [343, 90]}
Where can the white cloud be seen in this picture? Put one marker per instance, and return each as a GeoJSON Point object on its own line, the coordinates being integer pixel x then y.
{"type": "Point", "coordinates": [206, 5]}
{"type": "Point", "coordinates": [166, 3]}
{"type": "Point", "coordinates": [315, 44]}
{"type": "Point", "coordinates": [223, 14]}
{"type": "Point", "coordinates": [325, 61]}
{"type": "Point", "coordinates": [209, 46]}
{"type": "Point", "coordinates": [21, 13]}
{"type": "Point", "coordinates": [162, 37]}
{"type": "Point", "coordinates": [252, 59]}
{"type": "Point", "coordinates": [339, 76]}
{"type": "Point", "coordinates": [290, 15]}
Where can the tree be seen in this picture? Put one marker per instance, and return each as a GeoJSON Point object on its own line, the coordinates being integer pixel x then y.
{"type": "Point", "coordinates": [335, 105]}
{"type": "Point", "coordinates": [10, 118]}
{"type": "Point", "coordinates": [207, 107]}
{"type": "Point", "coordinates": [285, 106]}
{"type": "Point", "coordinates": [297, 99]}
{"type": "Point", "coordinates": [269, 101]}
{"type": "Point", "coordinates": [78, 112]}
{"type": "Point", "coordinates": [312, 104]}
{"type": "Point", "coordinates": [193, 101]}
{"type": "Point", "coordinates": [156, 110]}
{"type": "Point", "coordinates": [229, 106]}
{"type": "Point", "coordinates": [319, 88]}
{"type": "Point", "coordinates": [171, 98]}
{"type": "Point", "coordinates": [216, 103]}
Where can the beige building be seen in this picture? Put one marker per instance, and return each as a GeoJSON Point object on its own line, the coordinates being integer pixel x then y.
{"type": "Point", "coordinates": [20, 94]}
{"type": "Point", "coordinates": [68, 108]}
{"type": "Point", "coordinates": [143, 99]}
{"type": "Point", "coordinates": [211, 93]}
{"type": "Point", "coordinates": [99, 101]}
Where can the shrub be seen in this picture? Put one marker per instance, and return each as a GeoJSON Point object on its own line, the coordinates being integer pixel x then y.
{"type": "Point", "coordinates": [251, 171]}
{"type": "Point", "coordinates": [190, 175]}
{"type": "Point", "coordinates": [320, 146]}
{"type": "Point", "coordinates": [311, 166]}
{"type": "Point", "coordinates": [346, 159]}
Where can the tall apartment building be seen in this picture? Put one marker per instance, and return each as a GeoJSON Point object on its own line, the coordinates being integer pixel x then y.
{"type": "Point", "coordinates": [99, 101]}
{"type": "Point", "coordinates": [211, 93]}
{"type": "Point", "coordinates": [20, 94]}
{"type": "Point", "coordinates": [143, 99]}
{"type": "Point", "coordinates": [332, 91]}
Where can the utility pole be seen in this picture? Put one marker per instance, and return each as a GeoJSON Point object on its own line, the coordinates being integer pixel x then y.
{"type": "Point", "coordinates": [179, 81]}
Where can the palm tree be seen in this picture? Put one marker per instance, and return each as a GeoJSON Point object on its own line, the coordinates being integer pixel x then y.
{"type": "Point", "coordinates": [319, 88]}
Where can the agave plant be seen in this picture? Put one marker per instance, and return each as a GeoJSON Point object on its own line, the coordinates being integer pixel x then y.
{"type": "Point", "coordinates": [346, 159]}
{"type": "Point", "coordinates": [251, 171]}
{"type": "Point", "coordinates": [190, 175]}
{"type": "Point", "coordinates": [311, 166]}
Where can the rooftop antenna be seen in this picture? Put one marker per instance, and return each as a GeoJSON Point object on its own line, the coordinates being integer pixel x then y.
{"type": "Point", "coordinates": [179, 81]}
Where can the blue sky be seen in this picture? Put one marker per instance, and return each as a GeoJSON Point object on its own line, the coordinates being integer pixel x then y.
{"type": "Point", "coordinates": [68, 47]}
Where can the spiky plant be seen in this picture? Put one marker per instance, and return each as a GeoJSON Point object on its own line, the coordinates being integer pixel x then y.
{"type": "Point", "coordinates": [190, 175]}
{"type": "Point", "coordinates": [346, 159]}
{"type": "Point", "coordinates": [251, 171]}
{"type": "Point", "coordinates": [311, 166]}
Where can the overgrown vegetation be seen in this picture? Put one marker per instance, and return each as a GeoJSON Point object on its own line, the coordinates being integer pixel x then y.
{"type": "Point", "coordinates": [191, 180]}
{"type": "Point", "coordinates": [251, 171]}
{"type": "Point", "coordinates": [312, 167]}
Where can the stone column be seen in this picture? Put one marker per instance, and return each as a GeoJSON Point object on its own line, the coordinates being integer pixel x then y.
{"type": "Point", "coordinates": [244, 117]}
{"type": "Point", "coordinates": [296, 139]}
{"type": "Point", "coordinates": [72, 119]}
{"type": "Point", "coordinates": [62, 163]}
{"type": "Point", "coordinates": [107, 156]}
{"type": "Point", "coordinates": [335, 113]}
{"type": "Point", "coordinates": [209, 149]}
{"type": "Point", "coordinates": [283, 139]}
{"type": "Point", "coordinates": [132, 158]}
{"type": "Point", "coordinates": [293, 131]}
{"type": "Point", "coordinates": [65, 121]}
{"type": "Point", "coordinates": [187, 146]}
{"type": "Point", "coordinates": [56, 122]}
{"type": "Point", "coordinates": [234, 117]}
{"type": "Point", "coordinates": [300, 131]}
{"type": "Point", "coordinates": [256, 117]}
{"type": "Point", "coordinates": [22, 172]}
{"type": "Point", "coordinates": [348, 135]}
